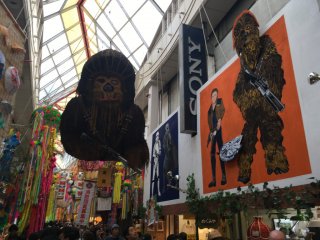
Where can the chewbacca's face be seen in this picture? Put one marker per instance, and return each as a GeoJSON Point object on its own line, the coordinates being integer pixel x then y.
{"type": "Point", "coordinates": [107, 89]}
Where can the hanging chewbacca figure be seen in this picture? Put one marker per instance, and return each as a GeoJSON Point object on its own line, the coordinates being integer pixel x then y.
{"type": "Point", "coordinates": [104, 113]}
{"type": "Point", "coordinates": [259, 58]}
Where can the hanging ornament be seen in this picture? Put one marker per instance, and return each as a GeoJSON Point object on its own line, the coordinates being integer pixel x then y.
{"type": "Point", "coordinates": [5, 107]}
{"type": "Point", "coordinates": [117, 182]}
{"type": "Point", "coordinates": [104, 112]}
{"type": "Point", "coordinates": [4, 34]}
{"type": "Point", "coordinates": [258, 230]}
{"type": "Point", "coordinates": [125, 198]}
{"type": "Point", "coordinates": [2, 64]}
{"type": "Point", "coordinates": [12, 80]}
{"type": "Point", "coordinates": [135, 202]}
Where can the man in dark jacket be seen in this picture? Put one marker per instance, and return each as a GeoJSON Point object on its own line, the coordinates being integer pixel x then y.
{"type": "Point", "coordinates": [215, 115]}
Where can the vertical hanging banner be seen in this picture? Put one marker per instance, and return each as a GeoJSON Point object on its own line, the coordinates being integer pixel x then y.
{"type": "Point", "coordinates": [193, 74]}
{"type": "Point", "coordinates": [86, 199]}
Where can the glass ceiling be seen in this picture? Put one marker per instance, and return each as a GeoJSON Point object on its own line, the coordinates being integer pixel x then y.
{"type": "Point", "coordinates": [76, 29]}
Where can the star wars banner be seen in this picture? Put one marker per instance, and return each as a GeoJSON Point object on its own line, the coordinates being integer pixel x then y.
{"type": "Point", "coordinates": [164, 161]}
{"type": "Point", "coordinates": [250, 119]}
{"type": "Point", "coordinates": [85, 203]}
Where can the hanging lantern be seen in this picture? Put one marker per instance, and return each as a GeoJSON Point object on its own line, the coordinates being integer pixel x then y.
{"type": "Point", "coordinates": [12, 80]}
{"type": "Point", "coordinates": [97, 219]}
{"type": "Point", "coordinates": [117, 182]}
{"type": "Point", "coordinates": [2, 64]}
{"type": "Point", "coordinates": [258, 230]}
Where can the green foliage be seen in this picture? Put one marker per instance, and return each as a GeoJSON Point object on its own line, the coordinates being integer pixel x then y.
{"type": "Point", "coordinates": [193, 197]}
{"type": "Point", "coordinates": [141, 212]}
{"type": "Point", "coordinates": [275, 200]}
{"type": "Point", "coordinates": [158, 208]}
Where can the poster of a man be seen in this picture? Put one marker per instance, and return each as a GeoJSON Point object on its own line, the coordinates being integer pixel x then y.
{"type": "Point", "coordinates": [215, 115]}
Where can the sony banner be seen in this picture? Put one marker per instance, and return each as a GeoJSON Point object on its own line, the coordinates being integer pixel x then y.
{"type": "Point", "coordinates": [193, 74]}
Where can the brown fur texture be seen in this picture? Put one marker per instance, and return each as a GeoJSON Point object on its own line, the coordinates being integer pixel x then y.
{"type": "Point", "coordinates": [256, 111]}
{"type": "Point", "coordinates": [118, 124]}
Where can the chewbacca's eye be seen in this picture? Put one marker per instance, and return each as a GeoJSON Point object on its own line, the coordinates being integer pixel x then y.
{"type": "Point", "coordinates": [114, 82]}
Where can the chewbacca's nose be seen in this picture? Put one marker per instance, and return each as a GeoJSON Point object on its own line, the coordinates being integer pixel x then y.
{"type": "Point", "coordinates": [108, 87]}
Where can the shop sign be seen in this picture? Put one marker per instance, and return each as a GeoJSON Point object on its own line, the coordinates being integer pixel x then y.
{"type": "Point", "coordinates": [208, 221]}
{"type": "Point", "coordinates": [192, 73]}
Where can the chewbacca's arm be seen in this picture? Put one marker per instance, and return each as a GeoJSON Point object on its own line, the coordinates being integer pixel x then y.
{"type": "Point", "coordinates": [245, 95]}
{"type": "Point", "coordinates": [275, 75]}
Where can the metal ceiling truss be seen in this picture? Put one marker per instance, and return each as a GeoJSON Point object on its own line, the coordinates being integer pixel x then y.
{"type": "Point", "coordinates": [62, 74]}
{"type": "Point", "coordinates": [60, 49]}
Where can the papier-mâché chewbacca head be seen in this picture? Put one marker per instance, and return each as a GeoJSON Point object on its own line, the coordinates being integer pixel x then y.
{"type": "Point", "coordinates": [246, 39]}
{"type": "Point", "coordinates": [107, 76]}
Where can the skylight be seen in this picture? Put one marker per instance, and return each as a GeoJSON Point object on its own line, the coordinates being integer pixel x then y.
{"type": "Point", "coordinates": [77, 29]}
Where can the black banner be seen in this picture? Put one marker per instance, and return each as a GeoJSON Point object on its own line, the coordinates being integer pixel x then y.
{"type": "Point", "coordinates": [193, 74]}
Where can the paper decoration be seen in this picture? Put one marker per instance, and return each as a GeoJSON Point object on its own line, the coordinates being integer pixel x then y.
{"type": "Point", "coordinates": [104, 204]}
{"type": "Point", "coordinates": [85, 204]}
{"type": "Point", "coordinates": [104, 178]}
{"type": "Point", "coordinates": [12, 80]}
{"type": "Point", "coordinates": [2, 64]}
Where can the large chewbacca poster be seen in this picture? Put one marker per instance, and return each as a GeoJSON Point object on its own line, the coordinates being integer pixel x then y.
{"type": "Point", "coordinates": [256, 100]}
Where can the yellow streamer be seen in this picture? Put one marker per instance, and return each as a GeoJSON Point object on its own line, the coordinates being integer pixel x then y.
{"type": "Point", "coordinates": [117, 187]}
{"type": "Point", "coordinates": [50, 212]}
{"type": "Point", "coordinates": [25, 217]}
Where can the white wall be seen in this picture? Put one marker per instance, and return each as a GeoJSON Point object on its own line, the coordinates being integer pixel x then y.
{"type": "Point", "coordinates": [264, 10]}
{"type": "Point", "coordinates": [302, 21]}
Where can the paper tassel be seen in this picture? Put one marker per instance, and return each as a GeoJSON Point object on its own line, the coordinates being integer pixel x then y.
{"type": "Point", "coordinates": [124, 206]}
{"type": "Point", "coordinates": [135, 202]}
{"type": "Point", "coordinates": [117, 187]}
{"type": "Point", "coordinates": [50, 216]}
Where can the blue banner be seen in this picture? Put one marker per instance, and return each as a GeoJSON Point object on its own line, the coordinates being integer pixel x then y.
{"type": "Point", "coordinates": [164, 159]}
{"type": "Point", "coordinates": [193, 74]}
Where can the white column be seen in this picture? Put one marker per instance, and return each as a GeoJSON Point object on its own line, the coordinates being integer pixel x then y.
{"type": "Point", "coordinates": [153, 108]}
